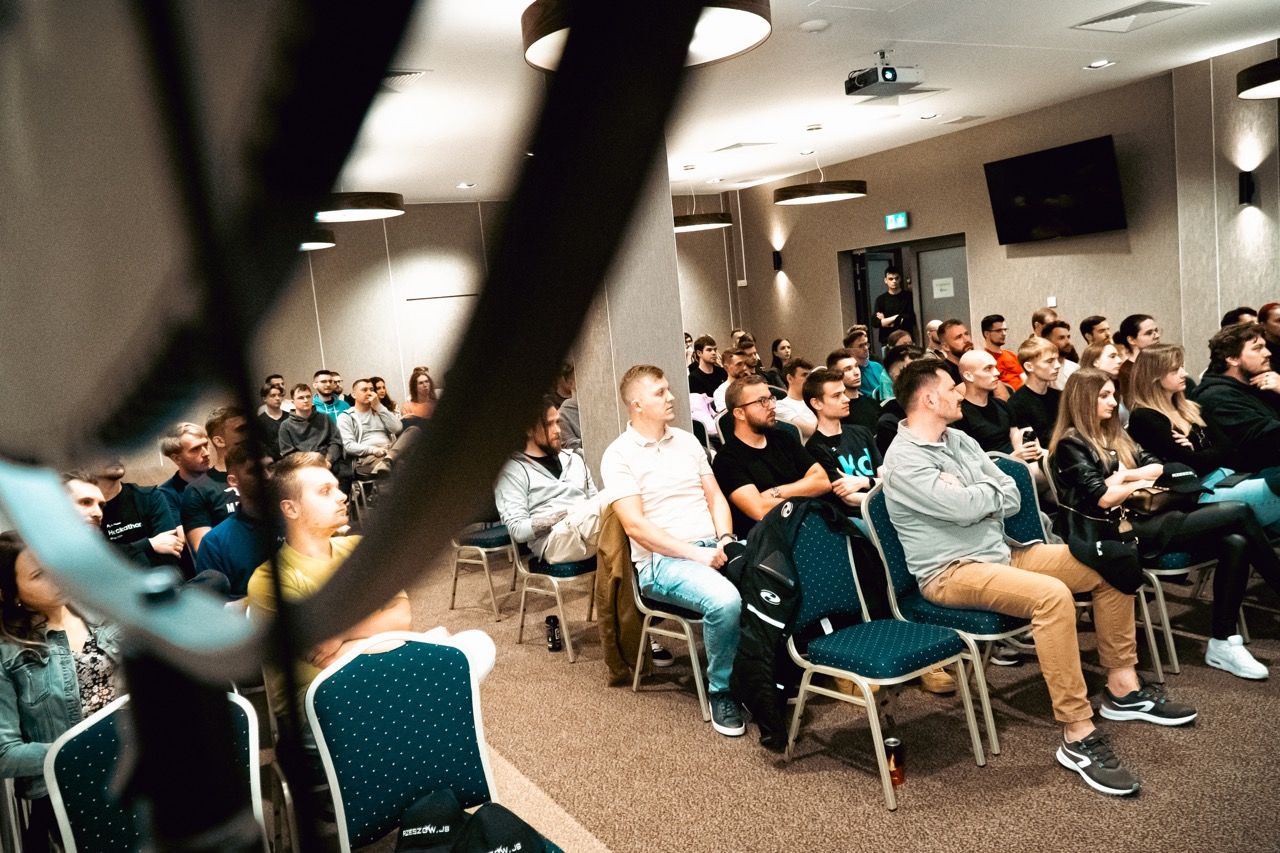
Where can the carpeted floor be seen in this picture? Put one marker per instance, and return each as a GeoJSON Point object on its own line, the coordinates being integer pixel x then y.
{"type": "Point", "coordinates": [643, 772]}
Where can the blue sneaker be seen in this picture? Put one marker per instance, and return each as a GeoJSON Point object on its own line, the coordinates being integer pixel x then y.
{"type": "Point", "coordinates": [726, 715]}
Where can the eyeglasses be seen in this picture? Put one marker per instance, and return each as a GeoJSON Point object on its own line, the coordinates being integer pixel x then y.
{"type": "Point", "coordinates": [766, 402]}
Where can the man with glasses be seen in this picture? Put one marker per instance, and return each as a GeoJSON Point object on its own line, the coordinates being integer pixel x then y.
{"type": "Point", "coordinates": [994, 334]}
{"type": "Point", "coordinates": [328, 399]}
{"type": "Point", "coordinates": [761, 466]}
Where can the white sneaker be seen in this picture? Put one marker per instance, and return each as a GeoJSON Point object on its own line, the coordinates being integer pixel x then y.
{"type": "Point", "coordinates": [1231, 655]}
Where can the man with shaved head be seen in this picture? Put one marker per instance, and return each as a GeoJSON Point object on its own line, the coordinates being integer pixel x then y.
{"type": "Point", "coordinates": [985, 417]}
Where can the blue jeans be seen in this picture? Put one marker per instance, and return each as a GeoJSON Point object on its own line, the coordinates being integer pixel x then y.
{"type": "Point", "coordinates": [1254, 492]}
{"type": "Point", "coordinates": [705, 590]}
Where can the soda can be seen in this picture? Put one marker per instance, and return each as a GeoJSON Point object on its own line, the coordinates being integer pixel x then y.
{"type": "Point", "coordinates": [893, 752]}
{"type": "Point", "coordinates": [554, 640]}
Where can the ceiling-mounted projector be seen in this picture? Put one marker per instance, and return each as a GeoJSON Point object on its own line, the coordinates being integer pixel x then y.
{"type": "Point", "coordinates": [882, 81]}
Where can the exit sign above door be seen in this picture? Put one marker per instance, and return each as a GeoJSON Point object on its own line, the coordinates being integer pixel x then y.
{"type": "Point", "coordinates": [895, 221]}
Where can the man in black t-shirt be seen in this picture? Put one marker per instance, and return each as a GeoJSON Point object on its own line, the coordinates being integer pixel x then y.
{"type": "Point", "coordinates": [894, 309]}
{"type": "Point", "coordinates": [705, 375]}
{"type": "Point", "coordinates": [1035, 404]}
{"type": "Point", "coordinates": [956, 341]}
{"type": "Point", "coordinates": [210, 499]}
{"type": "Point", "coordinates": [138, 519]}
{"type": "Point", "coordinates": [760, 465]}
{"type": "Point", "coordinates": [864, 411]}
{"type": "Point", "coordinates": [984, 418]}
{"type": "Point", "coordinates": [847, 454]}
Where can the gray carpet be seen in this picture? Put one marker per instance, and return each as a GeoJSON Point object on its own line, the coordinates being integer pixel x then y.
{"type": "Point", "coordinates": [643, 772]}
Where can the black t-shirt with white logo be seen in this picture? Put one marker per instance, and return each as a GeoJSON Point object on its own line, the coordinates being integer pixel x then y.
{"type": "Point", "coordinates": [208, 500]}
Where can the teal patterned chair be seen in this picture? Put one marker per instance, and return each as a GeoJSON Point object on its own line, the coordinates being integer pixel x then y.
{"type": "Point", "coordinates": [394, 726]}
{"type": "Point", "coordinates": [475, 547]}
{"type": "Point", "coordinates": [882, 652]}
{"type": "Point", "coordinates": [538, 577]}
{"type": "Point", "coordinates": [80, 765]}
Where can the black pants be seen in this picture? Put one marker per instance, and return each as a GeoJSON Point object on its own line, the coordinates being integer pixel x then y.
{"type": "Point", "coordinates": [1230, 529]}
{"type": "Point", "coordinates": [41, 827]}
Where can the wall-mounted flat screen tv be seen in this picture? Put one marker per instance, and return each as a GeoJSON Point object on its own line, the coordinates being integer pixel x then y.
{"type": "Point", "coordinates": [1059, 192]}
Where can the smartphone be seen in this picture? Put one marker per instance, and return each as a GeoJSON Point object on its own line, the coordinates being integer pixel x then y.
{"type": "Point", "coordinates": [1028, 434]}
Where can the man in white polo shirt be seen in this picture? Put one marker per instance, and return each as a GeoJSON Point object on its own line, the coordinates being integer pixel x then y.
{"type": "Point", "coordinates": [678, 521]}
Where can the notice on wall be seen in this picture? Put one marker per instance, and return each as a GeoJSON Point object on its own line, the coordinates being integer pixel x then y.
{"type": "Point", "coordinates": [944, 288]}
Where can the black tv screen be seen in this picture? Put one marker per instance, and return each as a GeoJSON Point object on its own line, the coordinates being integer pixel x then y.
{"type": "Point", "coordinates": [1058, 192]}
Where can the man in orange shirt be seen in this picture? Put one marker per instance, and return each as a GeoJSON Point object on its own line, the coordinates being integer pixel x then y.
{"type": "Point", "coordinates": [994, 333]}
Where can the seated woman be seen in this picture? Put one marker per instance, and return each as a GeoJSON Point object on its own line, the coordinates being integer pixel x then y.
{"type": "Point", "coordinates": [422, 395]}
{"type": "Point", "coordinates": [55, 670]}
{"type": "Point", "coordinates": [1098, 467]}
{"type": "Point", "coordinates": [380, 388]}
{"type": "Point", "coordinates": [1169, 425]}
{"type": "Point", "coordinates": [1105, 357]}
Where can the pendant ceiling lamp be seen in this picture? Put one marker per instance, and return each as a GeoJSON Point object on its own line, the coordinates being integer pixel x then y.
{"type": "Point", "coordinates": [356, 207]}
{"type": "Point", "coordinates": [319, 238]}
{"type": "Point", "coordinates": [727, 28]}
{"type": "Point", "coordinates": [820, 192]}
{"type": "Point", "coordinates": [694, 221]}
{"type": "Point", "coordinates": [1258, 82]}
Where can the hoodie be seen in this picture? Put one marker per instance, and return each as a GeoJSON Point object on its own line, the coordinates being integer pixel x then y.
{"type": "Point", "coordinates": [317, 433]}
{"type": "Point", "coordinates": [527, 490]}
{"type": "Point", "coordinates": [1241, 418]}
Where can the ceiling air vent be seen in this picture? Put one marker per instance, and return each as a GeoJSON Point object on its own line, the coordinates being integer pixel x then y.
{"type": "Point", "coordinates": [399, 79]}
{"type": "Point", "coordinates": [740, 145]}
{"type": "Point", "coordinates": [1136, 17]}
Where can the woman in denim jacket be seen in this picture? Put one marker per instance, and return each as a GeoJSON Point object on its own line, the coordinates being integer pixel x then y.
{"type": "Point", "coordinates": [55, 669]}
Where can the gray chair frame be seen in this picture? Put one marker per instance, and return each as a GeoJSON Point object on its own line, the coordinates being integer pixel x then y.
{"type": "Point", "coordinates": [538, 583]}
{"type": "Point", "coordinates": [462, 556]}
{"type": "Point", "coordinates": [685, 634]}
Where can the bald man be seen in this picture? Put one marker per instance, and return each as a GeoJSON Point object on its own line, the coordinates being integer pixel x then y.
{"type": "Point", "coordinates": [931, 340]}
{"type": "Point", "coordinates": [984, 416]}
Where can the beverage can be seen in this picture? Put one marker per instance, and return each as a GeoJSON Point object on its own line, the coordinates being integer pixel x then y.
{"type": "Point", "coordinates": [893, 752]}
{"type": "Point", "coordinates": [554, 640]}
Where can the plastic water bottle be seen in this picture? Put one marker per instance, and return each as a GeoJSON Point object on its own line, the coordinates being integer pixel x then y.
{"type": "Point", "coordinates": [554, 642]}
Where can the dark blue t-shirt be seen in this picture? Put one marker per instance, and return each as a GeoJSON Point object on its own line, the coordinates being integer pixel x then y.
{"type": "Point", "coordinates": [235, 548]}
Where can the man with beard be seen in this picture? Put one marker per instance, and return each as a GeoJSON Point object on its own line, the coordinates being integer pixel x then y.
{"type": "Point", "coordinates": [737, 364]}
{"type": "Point", "coordinates": [138, 519]}
{"type": "Point", "coordinates": [209, 500]}
{"type": "Point", "coordinates": [1239, 398]}
{"type": "Point", "coordinates": [761, 466]}
{"type": "Point", "coordinates": [956, 341]}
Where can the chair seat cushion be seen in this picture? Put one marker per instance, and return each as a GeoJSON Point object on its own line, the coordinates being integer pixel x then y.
{"type": "Point", "coordinates": [885, 648]}
{"type": "Point", "coordinates": [1174, 560]}
{"type": "Point", "coordinates": [917, 608]}
{"type": "Point", "coordinates": [673, 609]}
{"type": "Point", "coordinates": [487, 537]}
{"type": "Point", "coordinates": [562, 570]}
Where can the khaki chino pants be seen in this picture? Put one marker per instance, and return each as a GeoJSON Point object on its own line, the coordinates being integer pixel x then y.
{"type": "Point", "coordinates": [1038, 585]}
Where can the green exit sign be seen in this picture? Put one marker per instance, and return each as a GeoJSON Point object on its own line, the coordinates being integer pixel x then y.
{"type": "Point", "coordinates": [895, 221]}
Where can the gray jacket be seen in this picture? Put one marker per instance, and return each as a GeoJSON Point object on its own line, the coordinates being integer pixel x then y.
{"type": "Point", "coordinates": [525, 490]}
{"type": "Point", "coordinates": [364, 433]}
{"type": "Point", "coordinates": [941, 522]}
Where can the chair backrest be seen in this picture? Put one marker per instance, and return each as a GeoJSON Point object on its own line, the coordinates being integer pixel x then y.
{"type": "Point", "coordinates": [394, 726]}
{"type": "Point", "coordinates": [875, 511]}
{"type": "Point", "coordinates": [778, 393]}
{"type": "Point", "coordinates": [791, 429]}
{"type": "Point", "coordinates": [724, 423]}
{"type": "Point", "coordinates": [80, 766]}
{"type": "Point", "coordinates": [828, 579]}
{"type": "Point", "coordinates": [700, 432]}
{"type": "Point", "coordinates": [1025, 525]}
{"type": "Point", "coordinates": [1046, 468]}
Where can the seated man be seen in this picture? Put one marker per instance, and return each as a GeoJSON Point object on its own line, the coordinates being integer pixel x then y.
{"type": "Point", "coordinates": [737, 365]}
{"type": "Point", "coordinates": [678, 521]}
{"type": "Point", "coordinates": [210, 499]}
{"type": "Point", "coordinates": [875, 381]}
{"type": "Point", "coordinates": [1239, 398]}
{"type": "Point", "coordinates": [994, 333]}
{"type": "Point", "coordinates": [545, 495]}
{"type": "Point", "coordinates": [761, 466]}
{"type": "Point", "coordinates": [314, 509]}
{"type": "Point", "coordinates": [705, 373]}
{"type": "Point", "coordinates": [309, 430]}
{"type": "Point", "coordinates": [368, 431]}
{"type": "Point", "coordinates": [1035, 404]}
{"type": "Point", "coordinates": [82, 487]}
{"type": "Point", "coordinates": [187, 446]}
{"type": "Point", "coordinates": [948, 501]}
{"type": "Point", "coordinates": [847, 454]}
{"type": "Point", "coordinates": [891, 411]}
{"type": "Point", "coordinates": [245, 539]}
{"type": "Point", "coordinates": [792, 408]}
{"type": "Point", "coordinates": [986, 418]}
{"type": "Point", "coordinates": [138, 519]}
{"type": "Point", "coordinates": [863, 410]}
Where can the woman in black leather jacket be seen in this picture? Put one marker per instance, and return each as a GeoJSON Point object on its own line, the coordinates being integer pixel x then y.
{"type": "Point", "coordinates": [1098, 466]}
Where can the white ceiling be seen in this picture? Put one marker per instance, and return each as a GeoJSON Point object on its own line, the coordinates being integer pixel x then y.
{"type": "Point", "coordinates": [466, 119]}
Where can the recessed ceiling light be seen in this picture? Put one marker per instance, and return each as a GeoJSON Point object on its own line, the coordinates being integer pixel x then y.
{"type": "Point", "coordinates": [813, 127]}
{"type": "Point", "coordinates": [465, 185]}
{"type": "Point", "coordinates": [928, 116]}
{"type": "Point", "coordinates": [816, 25]}
{"type": "Point", "coordinates": [1099, 64]}
{"type": "Point", "coordinates": [715, 180]}
{"type": "Point", "coordinates": [806, 152]}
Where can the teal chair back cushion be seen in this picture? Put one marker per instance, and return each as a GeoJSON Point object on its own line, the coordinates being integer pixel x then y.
{"type": "Point", "coordinates": [876, 511]}
{"type": "Point", "coordinates": [827, 586]}
{"type": "Point", "coordinates": [399, 725]}
{"type": "Point", "coordinates": [1025, 525]}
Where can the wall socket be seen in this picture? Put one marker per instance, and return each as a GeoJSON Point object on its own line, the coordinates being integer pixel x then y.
{"type": "Point", "coordinates": [1052, 302]}
{"type": "Point", "coordinates": [742, 282]}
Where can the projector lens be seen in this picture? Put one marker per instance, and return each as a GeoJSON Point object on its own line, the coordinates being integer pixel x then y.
{"type": "Point", "coordinates": [890, 74]}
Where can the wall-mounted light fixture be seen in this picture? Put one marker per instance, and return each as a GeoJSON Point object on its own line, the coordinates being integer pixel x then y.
{"type": "Point", "coordinates": [1248, 188]}
{"type": "Point", "coordinates": [777, 260]}
{"type": "Point", "coordinates": [1259, 82]}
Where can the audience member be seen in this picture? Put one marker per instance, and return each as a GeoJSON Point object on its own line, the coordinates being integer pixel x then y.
{"type": "Point", "coordinates": [706, 374]}
{"type": "Point", "coordinates": [792, 408]}
{"type": "Point", "coordinates": [566, 383]}
{"type": "Point", "coordinates": [1035, 404]}
{"type": "Point", "coordinates": [899, 338]}
{"type": "Point", "coordinates": [986, 418]}
{"type": "Point", "coordinates": [1269, 318]}
{"type": "Point", "coordinates": [82, 488]}
{"type": "Point", "coordinates": [688, 350]}
{"type": "Point", "coordinates": [760, 466]}
{"type": "Point", "coordinates": [270, 416]}
{"type": "Point", "coordinates": [1136, 333]}
{"type": "Point", "coordinates": [994, 333]}
{"type": "Point", "coordinates": [956, 341]}
{"type": "Point", "coordinates": [747, 344]}
{"type": "Point", "coordinates": [384, 397]}
{"type": "Point", "coordinates": [894, 309]}
{"type": "Point", "coordinates": [187, 446]}
{"type": "Point", "coordinates": [1104, 356]}
{"type": "Point", "coordinates": [339, 392]}
{"type": "Point", "coordinates": [368, 432]}
{"type": "Point", "coordinates": [138, 519]}
{"type": "Point", "coordinates": [210, 499]}
{"type": "Point", "coordinates": [847, 454]}
{"type": "Point", "coordinates": [314, 509]}
{"type": "Point", "coordinates": [1099, 467]}
{"type": "Point", "coordinates": [737, 364]}
{"type": "Point", "coordinates": [679, 522]}
{"type": "Point", "coordinates": [1096, 330]}
{"type": "Point", "coordinates": [1058, 333]}
{"type": "Point", "coordinates": [1240, 398]}
{"type": "Point", "coordinates": [277, 380]}
{"type": "Point", "coordinates": [1238, 315]}
{"type": "Point", "coordinates": [863, 411]}
{"type": "Point", "coordinates": [736, 335]}
{"type": "Point", "coordinates": [546, 497]}
{"type": "Point", "coordinates": [422, 395]}
{"type": "Point", "coordinates": [932, 342]}
{"type": "Point", "coordinates": [247, 538]}
{"type": "Point", "coordinates": [309, 430]}
{"type": "Point", "coordinates": [569, 418]}
{"type": "Point", "coordinates": [875, 381]}
{"type": "Point", "coordinates": [328, 399]}
{"type": "Point", "coordinates": [781, 350]}
{"type": "Point", "coordinates": [1038, 319]}
{"type": "Point", "coordinates": [891, 411]}
{"type": "Point", "coordinates": [948, 501]}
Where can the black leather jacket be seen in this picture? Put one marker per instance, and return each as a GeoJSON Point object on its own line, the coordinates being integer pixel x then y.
{"type": "Point", "coordinates": [1081, 475]}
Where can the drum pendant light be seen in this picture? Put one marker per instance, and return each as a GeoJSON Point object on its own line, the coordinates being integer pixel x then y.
{"type": "Point", "coordinates": [357, 207]}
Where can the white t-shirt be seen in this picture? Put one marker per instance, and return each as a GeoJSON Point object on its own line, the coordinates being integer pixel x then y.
{"type": "Point", "coordinates": [667, 475]}
{"type": "Point", "coordinates": [799, 415]}
{"type": "Point", "coordinates": [1064, 373]}
{"type": "Point", "coordinates": [718, 396]}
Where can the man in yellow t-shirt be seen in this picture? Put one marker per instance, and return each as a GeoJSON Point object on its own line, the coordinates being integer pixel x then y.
{"type": "Point", "coordinates": [314, 509]}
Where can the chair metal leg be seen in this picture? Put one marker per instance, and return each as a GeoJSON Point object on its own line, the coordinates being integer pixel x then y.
{"type": "Point", "coordinates": [695, 659]}
{"type": "Point", "coordinates": [799, 711]}
{"type": "Point", "coordinates": [1167, 626]}
{"type": "Point", "coordinates": [524, 595]}
{"type": "Point", "coordinates": [984, 695]}
{"type": "Point", "coordinates": [962, 681]}
{"type": "Point", "coordinates": [564, 621]}
{"type": "Point", "coordinates": [453, 596]}
{"type": "Point", "coordinates": [493, 597]}
{"type": "Point", "coordinates": [1151, 634]}
{"type": "Point", "coordinates": [515, 562]}
{"type": "Point", "coordinates": [644, 647]}
{"type": "Point", "coordinates": [591, 599]}
{"type": "Point", "coordinates": [877, 743]}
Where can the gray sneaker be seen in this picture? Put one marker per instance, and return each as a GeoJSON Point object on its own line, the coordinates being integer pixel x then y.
{"type": "Point", "coordinates": [726, 715]}
{"type": "Point", "coordinates": [1098, 765]}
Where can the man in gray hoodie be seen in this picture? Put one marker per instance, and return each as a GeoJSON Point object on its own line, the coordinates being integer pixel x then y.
{"type": "Point", "coordinates": [308, 429]}
{"type": "Point", "coordinates": [546, 497]}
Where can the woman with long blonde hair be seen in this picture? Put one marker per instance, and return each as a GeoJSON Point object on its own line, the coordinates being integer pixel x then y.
{"type": "Point", "coordinates": [1105, 357]}
{"type": "Point", "coordinates": [1098, 467]}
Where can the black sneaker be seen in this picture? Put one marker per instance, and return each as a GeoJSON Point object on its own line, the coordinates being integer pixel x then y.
{"type": "Point", "coordinates": [1005, 654]}
{"type": "Point", "coordinates": [1101, 770]}
{"type": "Point", "coordinates": [661, 657]}
{"type": "Point", "coordinates": [1149, 703]}
{"type": "Point", "coordinates": [726, 715]}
